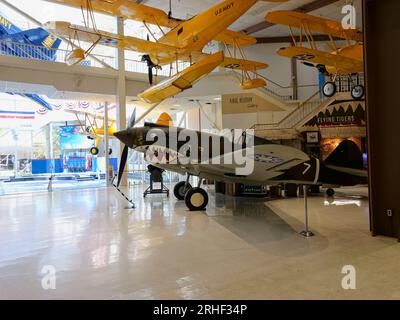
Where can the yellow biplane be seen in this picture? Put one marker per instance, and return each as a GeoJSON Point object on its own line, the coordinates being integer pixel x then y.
{"type": "Point", "coordinates": [93, 126]}
{"type": "Point", "coordinates": [342, 61]}
{"type": "Point", "coordinates": [184, 42]}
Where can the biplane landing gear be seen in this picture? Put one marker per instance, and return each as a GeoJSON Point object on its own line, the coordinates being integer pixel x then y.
{"type": "Point", "coordinates": [196, 199]}
{"type": "Point", "coordinates": [94, 151]}
{"type": "Point", "coordinates": [357, 92]}
{"type": "Point", "coordinates": [180, 189]}
{"type": "Point", "coordinates": [329, 89]}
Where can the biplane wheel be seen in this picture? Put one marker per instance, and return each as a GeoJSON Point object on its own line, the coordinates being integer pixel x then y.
{"type": "Point", "coordinates": [180, 191]}
{"type": "Point", "coordinates": [94, 151]}
{"type": "Point", "coordinates": [196, 199]}
{"type": "Point", "coordinates": [329, 89]}
{"type": "Point", "coordinates": [330, 192]}
{"type": "Point", "coordinates": [357, 92]}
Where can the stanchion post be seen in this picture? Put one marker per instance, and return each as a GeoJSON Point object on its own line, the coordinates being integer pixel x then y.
{"type": "Point", "coordinates": [306, 233]}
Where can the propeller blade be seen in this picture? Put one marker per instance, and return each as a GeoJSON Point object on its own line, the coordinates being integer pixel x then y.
{"type": "Point", "coordinates": [132, 119]}
{"type": "Point", "coordinates": [122, 164]}
{"type": "Point", "coordinates": [150, 73]}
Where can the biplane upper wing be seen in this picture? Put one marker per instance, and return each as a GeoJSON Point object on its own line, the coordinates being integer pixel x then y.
{"type": "Point", "coordinates": [312, 23]}
{"type": "Point", "coordinates": [66, 29]}
{"type": "Point", "coordinates": [150, 15]}
{"type": "Point", "coordinates": [183, 80]}
{"type": "Point", "coordinates": [124, 8]}
{"type": "Point", "coordinates": [89, 114]}
{"type": "Point", "coordinates": [342, 63]}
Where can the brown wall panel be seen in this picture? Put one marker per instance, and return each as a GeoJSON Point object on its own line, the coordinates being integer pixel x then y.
{"type": "Point", "coordinates": [382, 60]}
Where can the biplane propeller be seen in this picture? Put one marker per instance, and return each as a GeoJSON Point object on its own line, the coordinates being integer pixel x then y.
{"type": "Point", "coordinates": [184, 42]}
{"type": "Point", "coordinates": [341, 61]}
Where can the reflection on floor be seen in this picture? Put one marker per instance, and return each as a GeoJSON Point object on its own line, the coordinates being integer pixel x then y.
{"type": "Point", "coordinates": [239, 249]}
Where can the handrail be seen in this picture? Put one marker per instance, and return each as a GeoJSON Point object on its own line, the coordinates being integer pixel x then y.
{"type": "Point", "coordinates": [277, 124]}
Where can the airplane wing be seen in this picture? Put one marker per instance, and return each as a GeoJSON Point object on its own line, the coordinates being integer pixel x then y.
{"type": "Point", "coordinates": [235, 38]}
{"type": "Point", "coordinates": [183, 80]}
{"type": "Point", "coordinates": [83, 113]}
{"type": "Point", "coordinates": [68, 30]}
{"type": "Point", "coordinates": [311, 23]}
{"type": "Point", "coordinates": [343, 64]}
{"type": "Point", "coordinates": [143, 13]}
{"type": "Point", "coordinates": [231, 63]}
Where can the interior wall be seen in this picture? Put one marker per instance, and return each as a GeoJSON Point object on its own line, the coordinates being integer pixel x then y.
{"type": "Point", "coordinates": [280, 70]}
{"type": "Point", "coordinates": [382, 31]}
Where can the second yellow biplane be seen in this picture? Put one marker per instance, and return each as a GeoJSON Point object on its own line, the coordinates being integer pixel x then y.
{"type": "Point", "coordinates": [93, 126]}
{"type": "Point", "coordinates": [341, 61]}
{"type": "Point", "coordinates": [184, 41]}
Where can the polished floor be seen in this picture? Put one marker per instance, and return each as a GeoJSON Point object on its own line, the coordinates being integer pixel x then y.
{"type": "Point", "coordinates": [238, 249]}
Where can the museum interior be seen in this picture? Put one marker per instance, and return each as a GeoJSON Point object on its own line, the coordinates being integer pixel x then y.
{"type": "Point", "coordinates": [191, 150]}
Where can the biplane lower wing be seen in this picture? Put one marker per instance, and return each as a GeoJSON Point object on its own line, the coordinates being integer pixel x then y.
{"type": "Point", "coordinates": [68, 30]}
{"type": "Point", "coordinates": [235, 38]}
{"type": "Point", "coordinates": [232, 63]}
{"type": "Point", "coordinates": [183, 80]}
{"type": "Point", "coordinates": [340, 63]}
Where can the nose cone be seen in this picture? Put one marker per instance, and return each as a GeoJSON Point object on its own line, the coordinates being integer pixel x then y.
{"type": "Point", "coordinates": [123, 136]}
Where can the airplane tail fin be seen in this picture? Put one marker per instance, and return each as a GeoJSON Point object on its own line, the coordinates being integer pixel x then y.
{"type": "Point", "coordinates": [165, 120]}
{"type": "Point", "coordinates": [346, 155]}
{"type": "Point", "coordinates": [41, 37]}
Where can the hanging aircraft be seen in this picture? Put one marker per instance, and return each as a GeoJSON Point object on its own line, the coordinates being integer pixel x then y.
{"type": "Point", "coordinates": [93, 126]}
{"type": "Point", "coordinates": [342, 61]}
{"type": "Point", "coordinates": [273, 163]}
{"type": "Point", "coordinates": [40, 45]}
{"type": "Point", "coordinates": [184, 42]}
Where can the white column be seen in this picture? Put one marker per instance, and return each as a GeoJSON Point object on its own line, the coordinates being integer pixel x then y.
{"type": "Point", "coordinates": [121, 96]}
{"type": "Point", "coordinates": [106, 143]}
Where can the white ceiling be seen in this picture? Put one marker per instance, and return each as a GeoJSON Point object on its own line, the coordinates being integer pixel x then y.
{"type": "Point", "coordinates": [185, 9]}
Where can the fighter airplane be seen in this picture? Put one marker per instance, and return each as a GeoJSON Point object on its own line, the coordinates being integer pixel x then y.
{"type": "Point", "coordinates": [345, 61]}
{"type": "Point", "coordinates": [273, 164]}
{"type": "Point", "coordinates": [42, 46]}
{"type": "Point", "coordinates": [184, 42]}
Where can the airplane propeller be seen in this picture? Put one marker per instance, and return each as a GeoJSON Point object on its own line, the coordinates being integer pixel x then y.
{"type": "Point", "coordinates": [150, 66]}
{"type": "Point", "coordinates": [124, 156]}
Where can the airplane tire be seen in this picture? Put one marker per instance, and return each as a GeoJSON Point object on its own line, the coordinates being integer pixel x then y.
{"type": "Point", "coordinates": [357, 92]}
{"type": "Point", "coordinates": [329, 89]}
{"type": "Point", "coordinates": [179, 190]}
{"type": "Point", "coordinates": [330, 192]}
{"type": "Point", "coordinates": [94, 151]}
{"type": "Point", "coordinates": [196, 199]}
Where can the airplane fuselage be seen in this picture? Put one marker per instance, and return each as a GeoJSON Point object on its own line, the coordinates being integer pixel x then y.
{"type": "Point", "coordinates": [192, 35]}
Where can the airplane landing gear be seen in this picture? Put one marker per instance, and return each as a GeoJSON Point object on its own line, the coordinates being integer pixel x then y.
{"type": "Point", "coordinates": [357, 92]}
{"type": "Point", "coordinates": [329, 89]}
{"type": "Point", "coordinates": [94, 151]}
{"type": "Point", "coordinates": [330, 192]}
{"type": "Point", "coordinates": [180, 189]}
{"type": "Point", "coordinates": [196, 199]}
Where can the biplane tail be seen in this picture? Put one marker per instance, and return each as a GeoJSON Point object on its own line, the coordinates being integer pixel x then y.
{"type": "Point", "coordinates": [165, 120]}
{"type": "Point", "coordinates": [346, 155]}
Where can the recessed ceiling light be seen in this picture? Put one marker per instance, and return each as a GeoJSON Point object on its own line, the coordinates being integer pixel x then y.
{"type": "Point", "coordinates": [217, 99]}
{"type": "Point", "coordinates": [177, 105]}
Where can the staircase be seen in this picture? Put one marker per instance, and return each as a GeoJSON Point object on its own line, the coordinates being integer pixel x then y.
{"type": "Point", "coordinates": [288, 127]}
